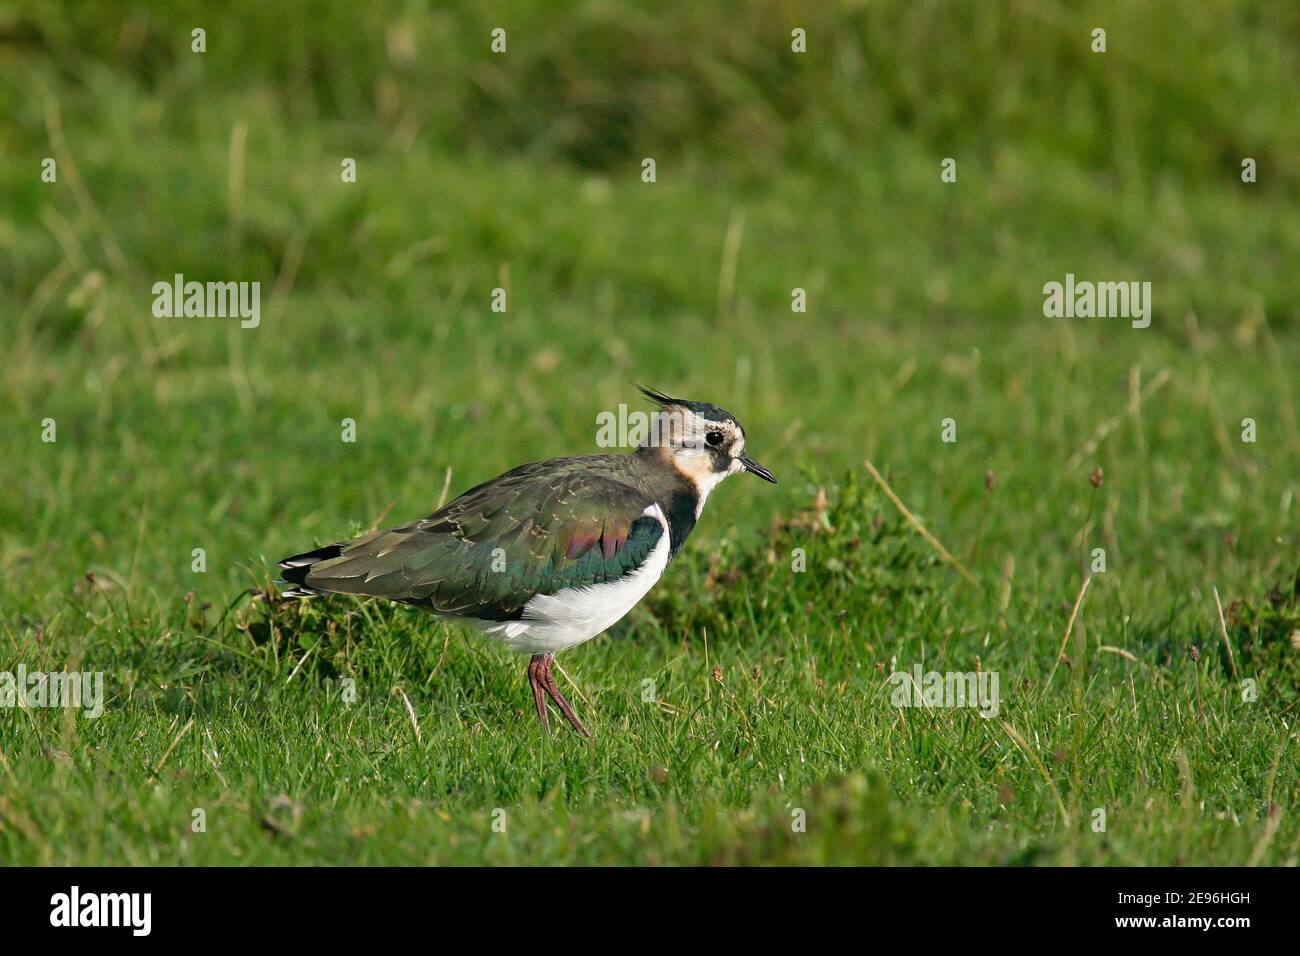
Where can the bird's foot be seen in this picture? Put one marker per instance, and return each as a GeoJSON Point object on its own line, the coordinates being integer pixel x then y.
{"type": "Point", "coordinates": [535, 681]}
{"type": "Point", "coordinates": [540, 679]}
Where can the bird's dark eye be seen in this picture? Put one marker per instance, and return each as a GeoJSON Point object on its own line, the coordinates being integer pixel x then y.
{"type": "Point", "coordinates": [714, 438]}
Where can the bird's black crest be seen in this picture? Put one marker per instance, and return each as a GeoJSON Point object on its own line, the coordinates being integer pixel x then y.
{"type": "Point", "coordinates": [709, 412]}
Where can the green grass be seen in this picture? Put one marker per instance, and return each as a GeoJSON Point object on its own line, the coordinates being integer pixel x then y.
{"type": "Point", "coordinates": [925, 303]}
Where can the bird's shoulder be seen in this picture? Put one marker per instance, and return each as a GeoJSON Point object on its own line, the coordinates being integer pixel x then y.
{"type": "Point", "coordinates": [556, 491]}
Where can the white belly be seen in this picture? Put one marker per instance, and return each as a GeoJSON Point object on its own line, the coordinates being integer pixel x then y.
{"type": "Point", "coordinates": [553, 622]}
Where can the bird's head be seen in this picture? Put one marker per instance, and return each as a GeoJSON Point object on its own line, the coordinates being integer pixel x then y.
{"type": "Point", "coordinates": [703, 442]}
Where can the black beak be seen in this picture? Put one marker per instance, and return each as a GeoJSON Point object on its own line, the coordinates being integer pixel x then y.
{"type": "Point", "coordinates": [754, 468]}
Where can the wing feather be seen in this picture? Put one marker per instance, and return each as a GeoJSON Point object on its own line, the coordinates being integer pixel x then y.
{"type": "Point", "coordinates": [535, 530]}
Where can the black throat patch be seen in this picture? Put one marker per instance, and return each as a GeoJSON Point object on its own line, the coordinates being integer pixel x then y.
{"type": "Point", "coordinates": [679, 509]}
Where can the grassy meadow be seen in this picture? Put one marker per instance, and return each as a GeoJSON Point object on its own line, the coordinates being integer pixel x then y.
{"type": "Point", "coordinates": [238, 729]}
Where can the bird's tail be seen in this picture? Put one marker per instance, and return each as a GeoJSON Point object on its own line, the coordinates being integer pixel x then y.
{"type": "Point", "coordinates": [296, 568]}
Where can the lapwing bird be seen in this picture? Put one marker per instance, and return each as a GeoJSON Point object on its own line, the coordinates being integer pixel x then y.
{"type": "Point", "coordinates": [552, 553]}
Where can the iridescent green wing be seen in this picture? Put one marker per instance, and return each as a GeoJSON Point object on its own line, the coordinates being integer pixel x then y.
{"type": "Point", "coordinates": [535, 530]}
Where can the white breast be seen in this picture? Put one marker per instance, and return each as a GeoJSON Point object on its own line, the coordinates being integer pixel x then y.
{"type": "Point", "coordinates": [553, 622]}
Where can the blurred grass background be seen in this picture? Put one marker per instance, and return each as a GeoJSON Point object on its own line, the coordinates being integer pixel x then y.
{"type": "Point", "coordinates": [775, 170]}
{"type": "Point", "coordinates": [1139, 148]}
